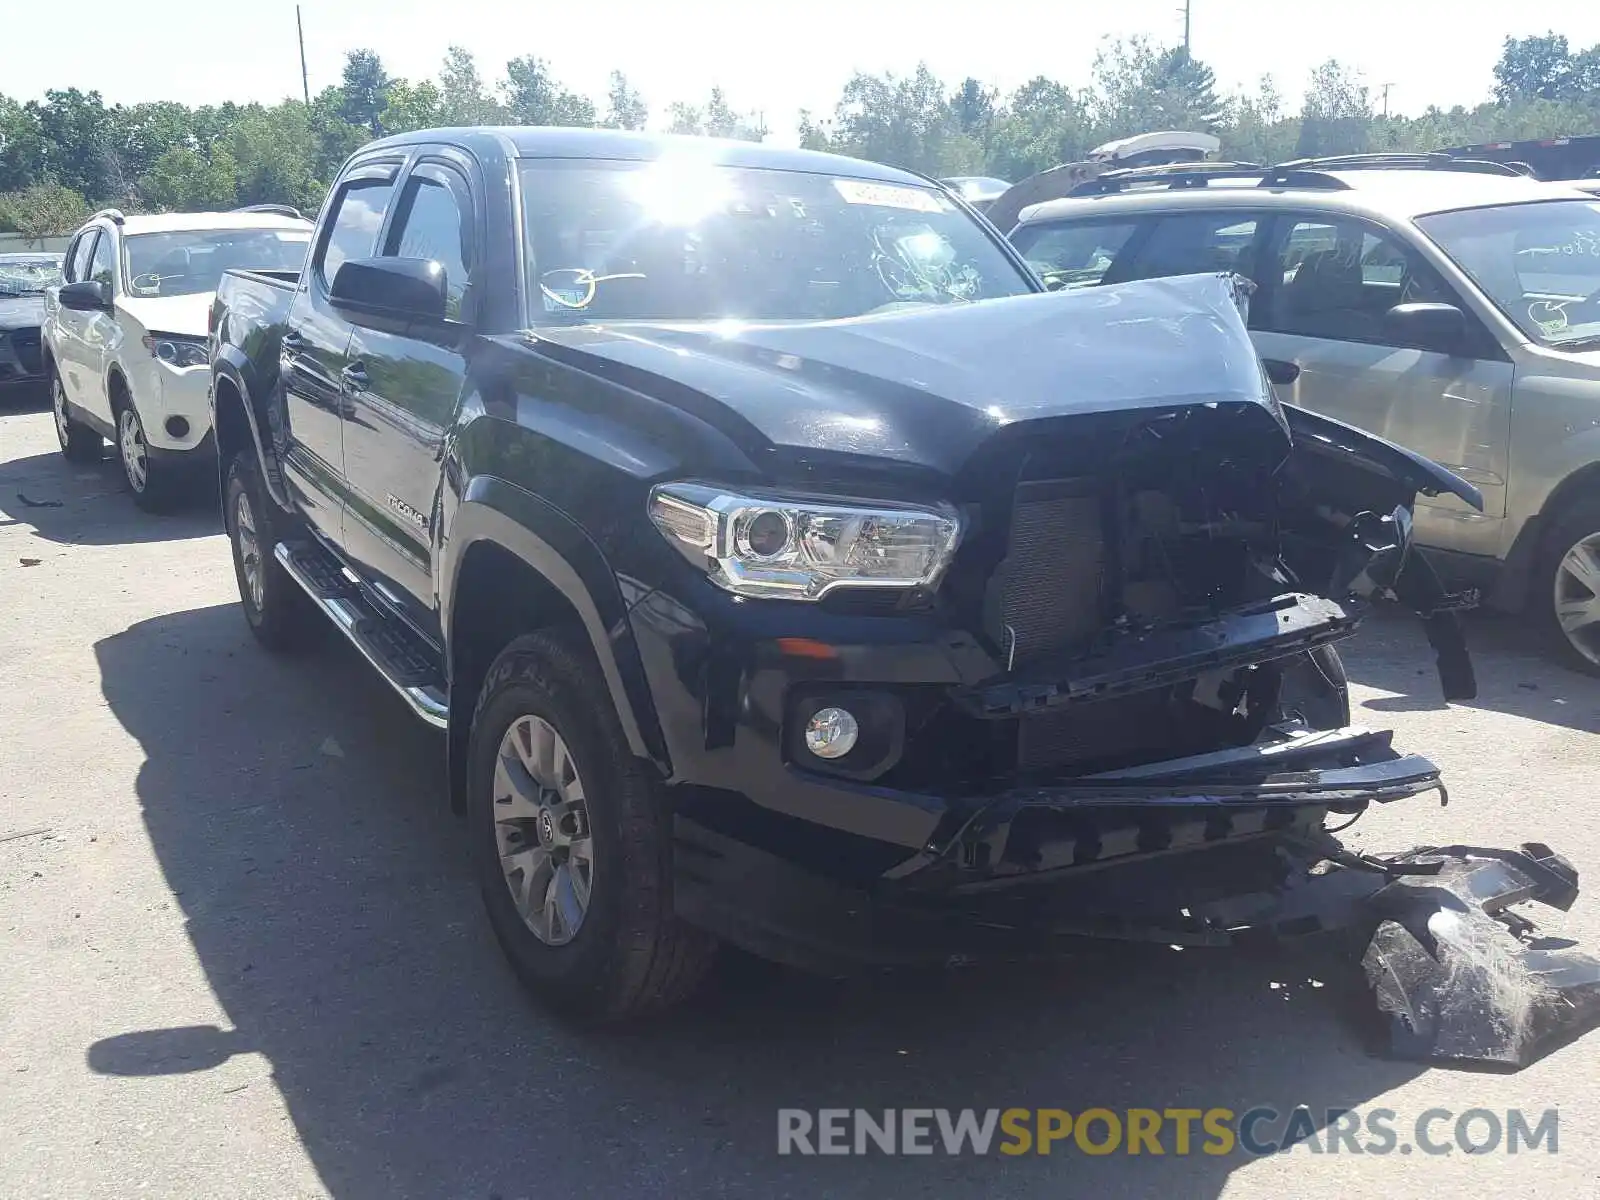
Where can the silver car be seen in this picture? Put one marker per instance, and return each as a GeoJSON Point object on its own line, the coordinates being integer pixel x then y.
{"type": "Point", "coordinates": [1452, 309]}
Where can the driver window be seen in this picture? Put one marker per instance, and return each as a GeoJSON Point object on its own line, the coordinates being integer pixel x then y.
{"type": "Point", "coordinates": [78, 261]}
{"type": "Point", "coordinates": [353, 232]}
{"type": "Point", "coordinates": [432, 225]}
{"type": "Point", "coordinates": [100, 267]}
{"type": "Point", "coordinates": [1337, 279]}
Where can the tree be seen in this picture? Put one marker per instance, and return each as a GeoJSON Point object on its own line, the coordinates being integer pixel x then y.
{"type": "Point", "coordinates": [22, 149]}
{"type": "Point", "coordinates": [1533, 68]}
{"type": "Point", "coordinates": [1255, 128]}
{"type": "Point", "coordinates": [412, 106]}
{"type": "Point", "coordinates": [365, 91]}
{"type": "Point", "coordinates": [42, 210]}
{"type": "Point", "coordinates": [905, 121]}
{"type": "Point", "coordinates": [533, 97]}
{"type": "Point", "coordinates": [1336, 117]}
{"type": "Point", "coordinates": [625, 107]}
{"type": "Point", "coordinates": [464, 100]}
{"type": "Point", "coordinates": [715, 119]}
{"type": "Point", "coordinates": [185, 180]}
{"type": "Point", "coordinates": [75, 128]}
{"type": "Point", "coordinates": [1140, 87]}
{"type": "Point", "coordinates": [1041, 125]}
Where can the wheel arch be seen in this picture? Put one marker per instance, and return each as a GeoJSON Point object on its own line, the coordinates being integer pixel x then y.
{"type": "Point", "coordinates": [234, 417]}
{"type": "Point", "coordinates": [514, 564]}
{"type": "Point", "coordinates": [1514, 592]}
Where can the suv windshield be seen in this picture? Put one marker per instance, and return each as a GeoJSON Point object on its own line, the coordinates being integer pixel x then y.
{"type": "Point", "coordinates": [183, 263]}
{"type": "Point", "coordinates": [28, 276]}
{"type": "Point", "coordinates": [1539, 263]}
{"type": "Point", "coordinates": [678, 240]}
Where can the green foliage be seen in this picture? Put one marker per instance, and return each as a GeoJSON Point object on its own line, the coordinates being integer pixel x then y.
{"type": "Point", "coordinates": [163, 155]}
{"type": "Point", "coordinates": [42, 210]}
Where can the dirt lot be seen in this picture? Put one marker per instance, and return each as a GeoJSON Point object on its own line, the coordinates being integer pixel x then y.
{"type": "Point", "coordinates": [240, 954]}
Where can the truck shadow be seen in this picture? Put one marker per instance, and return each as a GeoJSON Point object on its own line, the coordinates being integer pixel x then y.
{"type": "Point", "coordinates": [1516, 674]}
{"type": "Point", "coordinates": [297, 814]}
{"type": "Point", "coordinates": [87, 504]}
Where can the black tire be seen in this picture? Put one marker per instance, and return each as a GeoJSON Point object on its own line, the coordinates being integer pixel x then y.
{"type": "Point", "coordinates": [1316, 690]}
{"type": "Point", "coordinates": [156, 486]}
{"type": "Point", "coordinates": [631, 955]}
{"type": "Point", "coordinates": [283, 617]}
{"type": "Point", "coordinates": [79, 443]}
{"type": "Point", "coordinates": [1576, 523]}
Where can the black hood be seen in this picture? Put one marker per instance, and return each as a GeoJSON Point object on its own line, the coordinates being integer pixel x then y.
{"type": "Point", "coordinates": [928, 386]}
{"type": "Point", "coordinates": [21, 312]}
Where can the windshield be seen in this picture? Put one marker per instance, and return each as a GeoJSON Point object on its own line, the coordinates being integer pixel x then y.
{"type": "Point", "coordinates": [28, 276]}
{"type": "Point", "coordinates": [1539, 263]}
{"type": "Point", "coordinates": [690, 241]}
{"type": "Point", "coordinates": [191, 261]}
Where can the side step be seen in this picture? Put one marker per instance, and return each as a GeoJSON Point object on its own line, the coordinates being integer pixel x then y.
{"type": "Point", "coordinates": [399, 656]}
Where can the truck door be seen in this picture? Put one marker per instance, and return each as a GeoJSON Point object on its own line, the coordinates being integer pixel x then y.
{"type": "Point", "coordinates": [406, 383]}
{"type": "Point", "coordinates": [315, 345]}
{"type": "Point", "coordinates": [1326, 285]}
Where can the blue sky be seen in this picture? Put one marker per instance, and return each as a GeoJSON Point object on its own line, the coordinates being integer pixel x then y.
{"type": "Point", "coordinates": [776, 58]}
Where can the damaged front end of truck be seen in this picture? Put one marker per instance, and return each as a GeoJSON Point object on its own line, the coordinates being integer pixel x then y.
{"type": "Point", "coordinates": [1127, 718]}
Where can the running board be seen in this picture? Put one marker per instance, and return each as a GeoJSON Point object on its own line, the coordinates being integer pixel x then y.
{"type": "Point", "coordinates": [395, 652]}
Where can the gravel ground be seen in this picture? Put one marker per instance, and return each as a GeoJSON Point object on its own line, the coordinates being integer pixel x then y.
{"type": "Point", "coordinates": [240, 953]}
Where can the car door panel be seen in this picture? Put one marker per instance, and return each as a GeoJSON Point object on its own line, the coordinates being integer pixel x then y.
{"type": "Point", "coordinates": [71, 325]}
{"type": "Point", "coordinates": [407, 383]}
{"type": "Point", "coordinates": [315, 348]}
{"type": "Point", "coordinates": [1454, 408]}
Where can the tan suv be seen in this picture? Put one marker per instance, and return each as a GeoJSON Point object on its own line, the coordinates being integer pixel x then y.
{"type": "Point", "coordinates": [1452, 308]}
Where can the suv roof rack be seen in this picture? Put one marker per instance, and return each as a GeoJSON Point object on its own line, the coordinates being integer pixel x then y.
{"type": "Point", "coordinates": [114, 215]}
{"type": "Point", "coordinates": [1391, 161]}
{"type": "Point", "coordinates": [1181, 176]}
{"type": "Point", "coordinates": [282, 210]}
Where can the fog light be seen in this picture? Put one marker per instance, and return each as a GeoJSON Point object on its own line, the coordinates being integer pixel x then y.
{"type": "Point", "coordinates": [177, 427]}
{"type": "Point", "coordinates": [832, 733]}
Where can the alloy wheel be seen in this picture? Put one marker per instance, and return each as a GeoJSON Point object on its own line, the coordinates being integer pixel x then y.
{"type": "Point", "coordinates": [244, 525]}
{"type": "Point", "coordinates": [131, 448]}
{"type": "Point", "coordinates": [541, 826]}
{"type": "Point", "coordinates": [1577, 596]}
{"type": "Point", "coordinates": [58, 407]}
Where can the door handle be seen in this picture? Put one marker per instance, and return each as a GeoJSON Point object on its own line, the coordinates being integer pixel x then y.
{"type": "Point", "coordinates": [1281, 372]}
{"type": "Point", "coordinates": [355, 377]}
{"type": "Point", "coordinates": [293, 342]}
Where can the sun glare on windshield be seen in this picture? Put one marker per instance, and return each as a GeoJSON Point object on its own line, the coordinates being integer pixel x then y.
{"type": "Point", "coordinates": [681, 190]}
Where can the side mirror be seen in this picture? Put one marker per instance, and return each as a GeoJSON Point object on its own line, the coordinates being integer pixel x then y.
{"type": "Point", "coordinates": [410, 289]}
{"type": "Point", "coordinates": [1281, 372]}
{"type": "Point", "coordinates": [87, 295]}
{"type": "Point", "coordinates": [1441, 328]}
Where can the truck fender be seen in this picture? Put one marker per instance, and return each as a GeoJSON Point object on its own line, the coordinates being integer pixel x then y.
{"type": "Point", "coordinates": [559, 551]}
{"type": "Point", "coordinates": [232, 364]}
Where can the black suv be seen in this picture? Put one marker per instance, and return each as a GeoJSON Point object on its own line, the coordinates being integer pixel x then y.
{"type": "Point", "coordinates": [785, 566]}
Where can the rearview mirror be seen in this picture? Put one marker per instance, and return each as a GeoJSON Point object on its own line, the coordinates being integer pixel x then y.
{"type": "Point", "coordinates": [411, 289]}
{"type": "Point", "coordinates": [88, 295]}
{"type": "Point", "coordinates": [1427, 326]}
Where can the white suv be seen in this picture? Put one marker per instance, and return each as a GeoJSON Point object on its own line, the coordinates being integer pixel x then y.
{"type": "Point", "coordinates": [125, 335]}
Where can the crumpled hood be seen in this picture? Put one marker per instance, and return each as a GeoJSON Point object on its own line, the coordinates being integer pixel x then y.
{"type": "Point", "coordinates": [170, 314]}
{"type": "Point", "coordinates": [927, 386]}
{"type": "Point", "coordinates": [21, 312]}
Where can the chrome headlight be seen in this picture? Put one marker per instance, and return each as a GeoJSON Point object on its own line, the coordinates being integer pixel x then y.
{"type": "Point", "coordinates": [176, 351]}
{"type": "Point", "coordinates": [799, 548]}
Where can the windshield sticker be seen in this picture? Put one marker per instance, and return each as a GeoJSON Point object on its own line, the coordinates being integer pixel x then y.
{"type": "Point", "coordinates": [575, 287]}
{"type": "Point", "coordinates": [884, 195]}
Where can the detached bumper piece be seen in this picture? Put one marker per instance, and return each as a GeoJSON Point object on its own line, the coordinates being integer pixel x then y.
{"type": "Point", "coordinates": [1454, 969]}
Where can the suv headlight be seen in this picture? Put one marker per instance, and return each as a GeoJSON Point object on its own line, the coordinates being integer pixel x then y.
{"type": "Point", "coordinates": [801, 548]}
{"type": "Point", "coordinates": [176, 351]}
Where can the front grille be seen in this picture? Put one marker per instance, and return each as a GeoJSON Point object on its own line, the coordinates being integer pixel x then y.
{"type": "Point", "coordinates": [1098, 736]}
{"type": "Point", "coordinates": [1047, 589]}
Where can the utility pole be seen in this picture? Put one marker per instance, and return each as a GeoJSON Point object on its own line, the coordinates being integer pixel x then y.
{"type": "Point", "coordinates": [1386, 88]}
{"type": "Point", "coordinates": [305, 80]}
{"type": "Point", "coordinates": [1185, 11]}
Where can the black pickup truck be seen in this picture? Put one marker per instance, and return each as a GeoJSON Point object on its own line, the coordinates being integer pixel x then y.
{"type": "Point", "coordinates": [786, 566]}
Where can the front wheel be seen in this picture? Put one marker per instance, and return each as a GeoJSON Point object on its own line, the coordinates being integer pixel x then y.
{"type": "Point", "coordinates": [79, 443]}
{"type": "Point", "coordinates": [1569, 586]}
{"type": "Point", "coordinates": [155, 486]}
{"type": "Point", "coordinates": [571, 841]}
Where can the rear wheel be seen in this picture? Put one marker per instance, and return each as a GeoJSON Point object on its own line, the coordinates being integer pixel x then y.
{"type": "Point", "coordinates": [570, 841]}
{"type": "Point", "coordinates": [1568, 586]}
{"type": "Point", "coordinates": [79, 443]}
{"type": "Point", "coordinates": [278, 611]}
